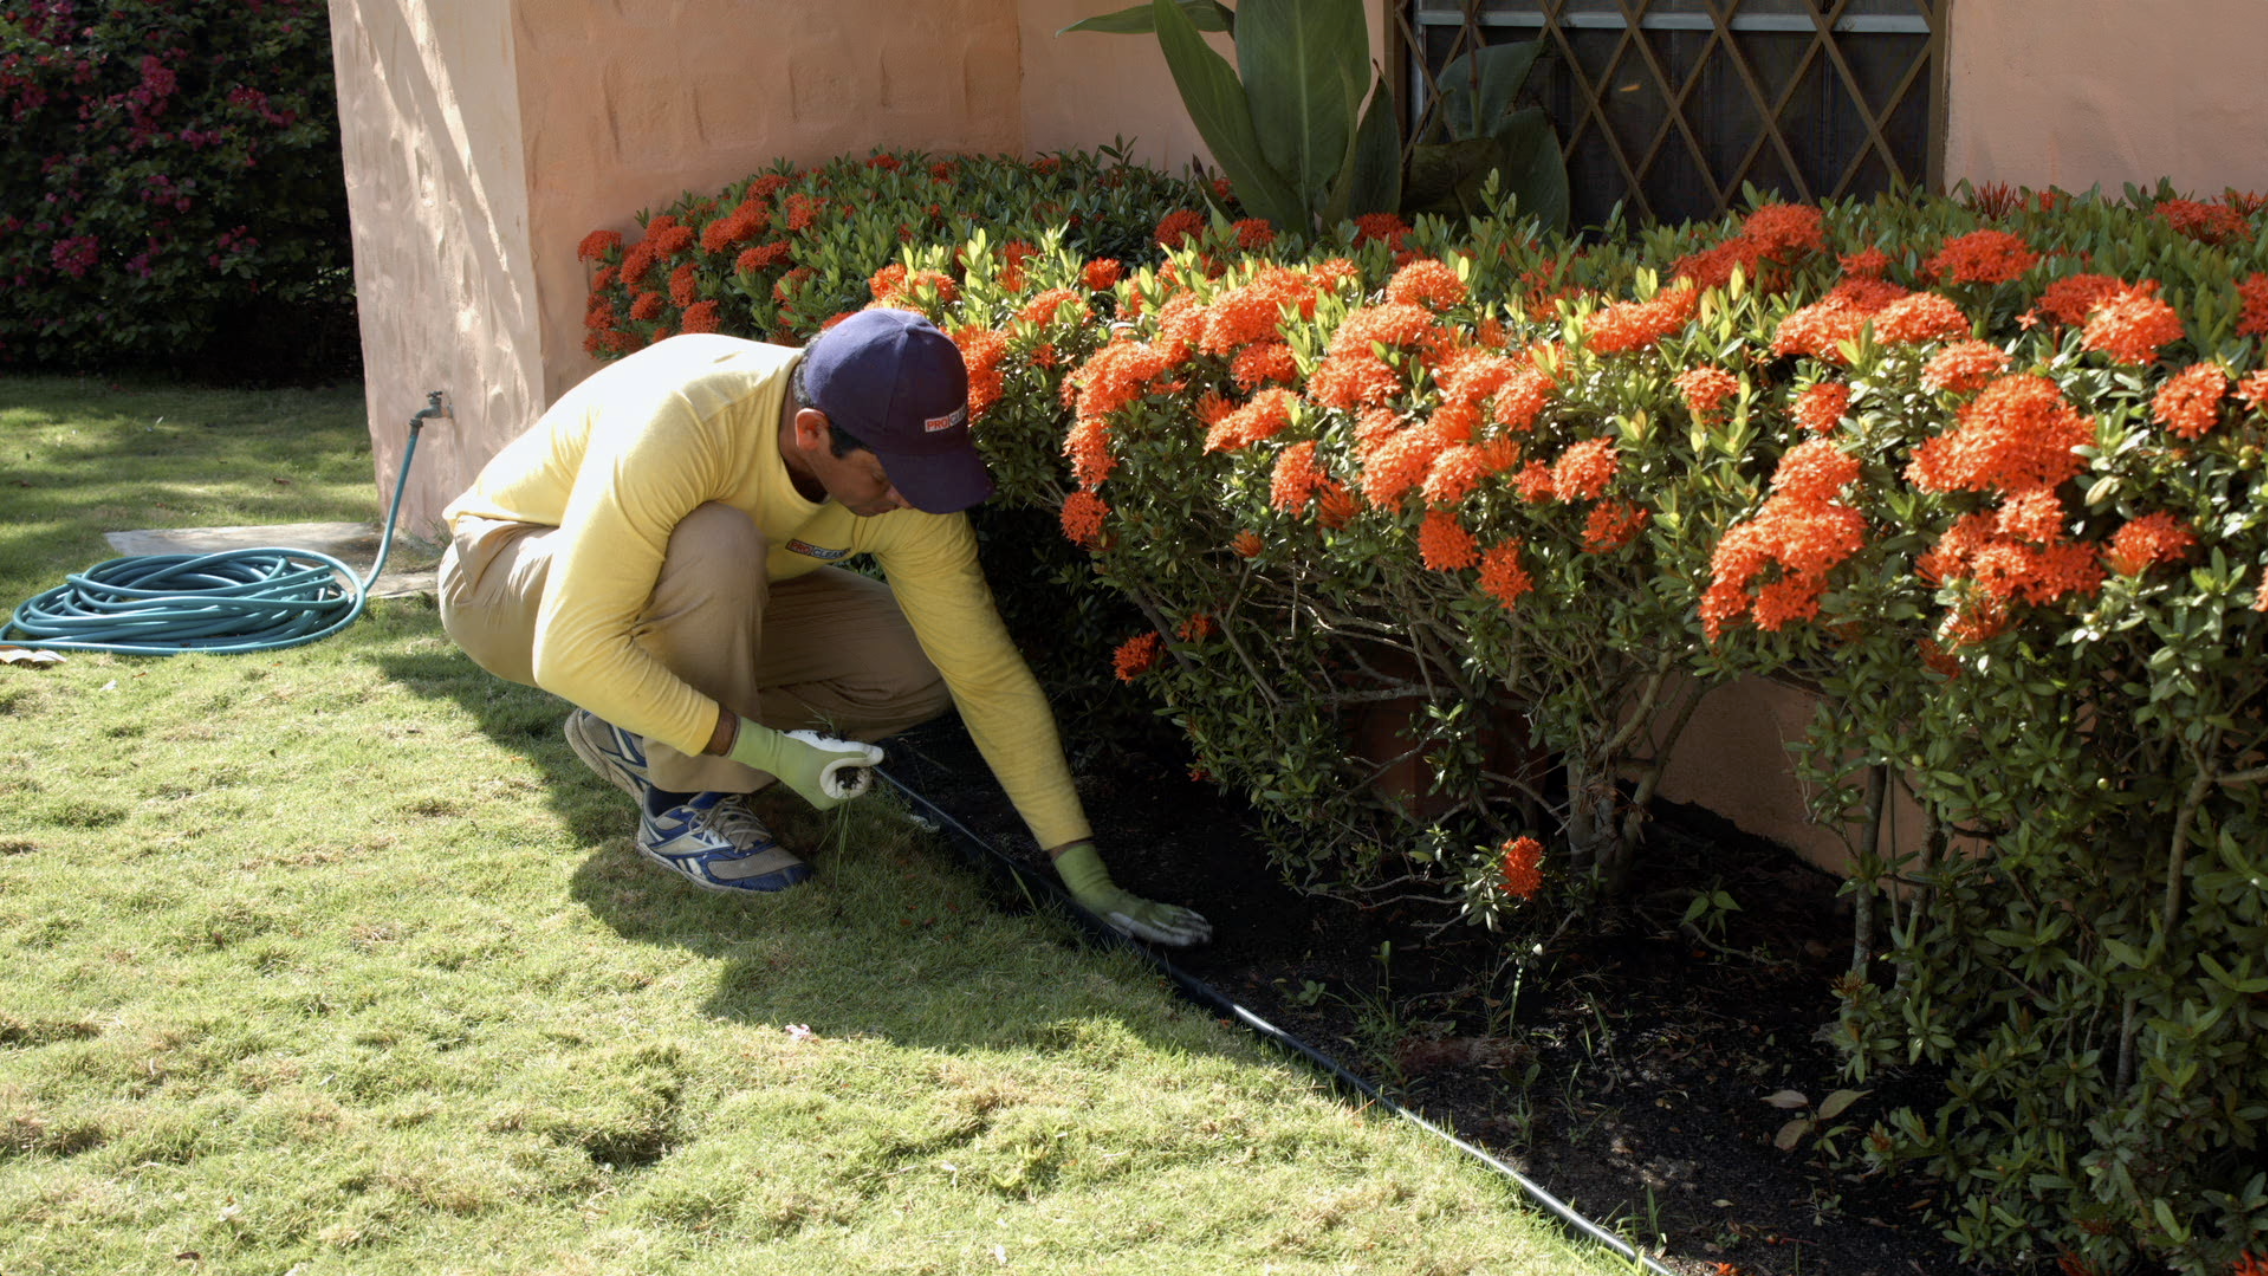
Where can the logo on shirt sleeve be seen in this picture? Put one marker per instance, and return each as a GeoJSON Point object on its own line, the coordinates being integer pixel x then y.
{"type": "Point", "coordinates": [820, 552]}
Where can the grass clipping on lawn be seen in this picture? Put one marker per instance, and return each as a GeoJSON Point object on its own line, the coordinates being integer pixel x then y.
{"type": "Point", "coordinates": [335, 959]}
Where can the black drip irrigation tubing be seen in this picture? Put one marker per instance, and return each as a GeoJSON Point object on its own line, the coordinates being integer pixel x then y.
{"type": "Point", "coordinates": [1038, 887]}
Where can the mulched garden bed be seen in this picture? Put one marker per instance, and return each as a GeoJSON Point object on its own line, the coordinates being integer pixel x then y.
{"type": "Point", "coordinates": [1628, 1070]}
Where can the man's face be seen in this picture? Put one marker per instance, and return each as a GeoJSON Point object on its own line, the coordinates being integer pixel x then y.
{"type": "Point", "coordinates": [856, 482]}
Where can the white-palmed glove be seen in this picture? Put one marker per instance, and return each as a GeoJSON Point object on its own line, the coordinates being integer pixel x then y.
{"type": "Point", "coordinates": [1081, 868]}
{"type": "Point", "coordinates": [825, 771]}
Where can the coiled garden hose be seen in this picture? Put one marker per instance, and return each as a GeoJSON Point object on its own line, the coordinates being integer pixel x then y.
{"type": "Point", "coordinates": [239, 600]}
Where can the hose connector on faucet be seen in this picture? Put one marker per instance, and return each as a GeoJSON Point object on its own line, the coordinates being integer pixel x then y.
{"type": "Point", "coordinates": [436, 407]}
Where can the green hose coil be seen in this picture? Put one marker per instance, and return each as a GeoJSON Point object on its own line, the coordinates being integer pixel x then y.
{"type": "Point", "coordinates": [240, 600]}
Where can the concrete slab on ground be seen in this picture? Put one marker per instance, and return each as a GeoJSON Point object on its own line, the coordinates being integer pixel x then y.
{"type": "Point", "coordinates": [355, 544]}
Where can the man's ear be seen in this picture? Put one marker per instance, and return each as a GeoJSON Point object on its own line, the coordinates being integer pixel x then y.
{"type": "Point", "coordinates": [811, 428]}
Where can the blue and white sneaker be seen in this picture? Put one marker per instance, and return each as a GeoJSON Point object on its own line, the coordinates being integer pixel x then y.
{"type": "Point", "coordinates": [618, 756]}
{"type": "Point", "coordinates": [715, 842]}
{"type": "Point", "coordinates": [711, 839]}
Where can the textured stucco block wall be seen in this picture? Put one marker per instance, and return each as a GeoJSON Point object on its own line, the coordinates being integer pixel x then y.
{"type": "Point", "coordinates": [444, 272]}
{"type": "Point", "coordinates": [2072, 93]}
{"type": "Point", "coordinates": [630, 102]}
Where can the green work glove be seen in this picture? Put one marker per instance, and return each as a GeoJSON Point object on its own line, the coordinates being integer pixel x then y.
{"type": "Point", "coordinates": [1081, 868]}
{"type": "Point", "coordinates": [826, 771]}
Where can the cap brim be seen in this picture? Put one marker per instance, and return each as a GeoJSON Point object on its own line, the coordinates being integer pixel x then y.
{"type": "Point", "coordinates": [942, 483]}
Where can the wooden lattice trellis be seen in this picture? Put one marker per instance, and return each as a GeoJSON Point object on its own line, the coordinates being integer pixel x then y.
{"type": "Point", "coordinates": [1669, 106]}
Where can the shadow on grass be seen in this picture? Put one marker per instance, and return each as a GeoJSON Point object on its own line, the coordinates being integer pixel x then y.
{"type": "Point", "coordinates": [897, 938]}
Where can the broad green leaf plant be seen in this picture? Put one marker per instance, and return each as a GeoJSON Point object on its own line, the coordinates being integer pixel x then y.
{"type": "Point", "coordinates": [1290, 129]}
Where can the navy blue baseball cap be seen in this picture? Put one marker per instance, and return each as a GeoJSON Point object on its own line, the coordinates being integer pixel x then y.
{"type": "Point", "coordinates": [894, 382]}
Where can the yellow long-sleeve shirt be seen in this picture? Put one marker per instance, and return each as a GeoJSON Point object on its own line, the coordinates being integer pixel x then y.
{"type": "Point", "coordinates": [621, 458]}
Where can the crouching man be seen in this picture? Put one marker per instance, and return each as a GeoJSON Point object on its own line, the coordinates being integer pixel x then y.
{"type": "Point", "coordinates": [662, 549]}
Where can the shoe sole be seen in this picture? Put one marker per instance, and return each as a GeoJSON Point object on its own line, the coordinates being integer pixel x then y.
{"type": "Point", "coordinates": [607, 768]}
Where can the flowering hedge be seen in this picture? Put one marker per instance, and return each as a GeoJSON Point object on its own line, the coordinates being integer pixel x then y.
{"type": "Point", "coordinates": [1984, 475]}
{"type": "Point", "coordinates": [171, 188]}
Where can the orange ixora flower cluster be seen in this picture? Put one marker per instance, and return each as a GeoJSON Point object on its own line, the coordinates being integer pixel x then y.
{"type": "Point", "coordinates": [1585, 470]}
{"type": "Point", "coordinates": [1266, 415]}
{"type": "Point", "coordinates": [1114, 377]}
{"type": "Point", "coordinates": [1522, 867]}
{"type": "Point", "coordinates": [1641, 325]}
{"type": "Point", "coordinates": [1138, 655]}
{"type": "Point", "coordinates": [1612, 525]}
{"type": "Point", "coordinates": [1919, 319]}
{"type": "Point", "coordinates": [1367, 362]}
{"type": "Point", "coordinates": [1771, 239]}
{"type": "Point", "coordinates": [1298, 476]}
{"type": "Point", "coordinates": [1707, 390]}
{"type": "Point", "coordinates": [896, 286]}
{"type": "Point", "coordinates": [702, 316]}
{"type": "Point", "coordinates": [2206, 223]}
{"type": "Point", "coordinates": [750, 218]}
{"type": "Point", "coordinates": [1822, 407]}
{"type": "Point", "coordinates": [2068, 299]}
{"type": "Point", "coordinates": [1866, 263]}
{"type": "Point", "coordinates": [2020, 552]}
{"type": "Point", "coordinates": [1444, 544]}
{"type": "Point", "coordinates": [1821, 328]}
{"type": "Point", "coordinates": [2252, 303]}
{"type": "Point", "coordinates": [1179, 225]}
{"type": "Point", "coordinates": [1103, 273]}
{"type": "Point", "coordinates": [1983, 257]}
{"type": "Point", "coordinates": [2019, 433]}
{"type": "Point", "coordinates": [2252, 389]}
{"type": "Point", "coordinates": [2148, 541]}
{"type": "Point", "coordinates": [982, 351]}
{"type": "Point", "coordinates": [2131, 325]}
{"type": "Point", "coordinates": [1505, 578]}
{"type": "Point", "coordinates": [1803, 532]}
{"type": "Point", "coordinates": [1083, 516]}
{"type": "Point", "coordinates": [1427, 282]}
{"type": "Point", "coordinates": [1964, 367]}
{"type": "Point", "coordinates": [2189, 403]}
{"type": "Point", "coordinates": [2019, 439]}
{"type": "Point", "coordinates": [1250, 316]}
{"type": "Point", "coordinates": [1385, 228]}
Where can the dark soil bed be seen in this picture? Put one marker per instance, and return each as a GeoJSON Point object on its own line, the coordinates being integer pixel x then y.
{"type": "Point", "coordinates": [1625, 1067]}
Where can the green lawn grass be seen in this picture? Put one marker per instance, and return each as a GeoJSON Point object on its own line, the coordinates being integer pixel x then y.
{"type": "Point", "coordinates": [335, 960]}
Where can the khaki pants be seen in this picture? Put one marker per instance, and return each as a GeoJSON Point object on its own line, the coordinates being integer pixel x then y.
{"type": "Point", "coordinates": [828, 651]}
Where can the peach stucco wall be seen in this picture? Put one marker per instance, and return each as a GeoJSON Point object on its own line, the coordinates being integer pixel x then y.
{"type": "Point", "coordinates": [1083, 89]}
{"type": "Point", "coordinates": [2077, 92]}
{"type": "Point", "coordinates": [1734, 759]}
{"type": "Point", "coordinates": [437, 189]}
{"type": "Point", "coordinates": [629, 103]}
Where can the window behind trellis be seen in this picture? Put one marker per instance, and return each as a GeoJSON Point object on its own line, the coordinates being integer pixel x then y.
{"type": "Point", "coordinates": [1668, 106]}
